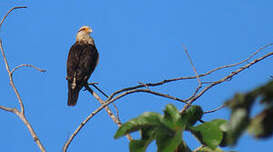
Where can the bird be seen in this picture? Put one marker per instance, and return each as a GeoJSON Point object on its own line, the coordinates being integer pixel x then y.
{"type": "Point", "coordinates": [82, 60]}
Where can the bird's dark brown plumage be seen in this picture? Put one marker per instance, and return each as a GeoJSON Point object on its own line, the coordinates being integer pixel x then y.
{"type": "Point", "coordinates": [81, 62]}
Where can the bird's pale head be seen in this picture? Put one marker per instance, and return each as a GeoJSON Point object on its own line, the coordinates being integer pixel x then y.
{"type": "Point", "coordinates": [83, 35]}
{"type": "Point", "coordinates": [86, 29]}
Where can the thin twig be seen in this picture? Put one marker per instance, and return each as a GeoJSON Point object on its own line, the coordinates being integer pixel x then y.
{"type": "Point", "coordinates": [117, 115]}
{"type": "Point", "coordinates": [196, 74]}
{"type": "Point", "coordinates": [4, 18]}
{"type": "Point", "coordinates": [216, 109]}
{"type": "Point", "coordinates": [194, 93]}
{"type": "Point", "coordinates": [21, 113]}
{"type": "Point", "coordinates": [11, 79]}
{"type": "Point", "coordinates": [150, 92]}
{"type": "Point", "coordinates": [193, 67]}
{"type": "Point", "coordinates": [190, 77]}
{"type": "Point", "coordinates": [224, 79]}
{"type": "Point", "coordinates": [146, 86]}
{"type": "Point", "coordinates": [84, 122]}
{"type": "Point", "coordinates": [106, 103]}
{"type": "Point", "coordinates": [7, 109]}
{"type": "Point", "coordinates": [94, 85]}
{"type": "Point", "coordinates": [110, 113]}
{"type": "Point", "coordinates": [26, 65]}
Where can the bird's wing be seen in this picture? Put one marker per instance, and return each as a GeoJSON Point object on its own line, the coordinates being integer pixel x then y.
{"type": "Point", "coordinates": [73, 60]}
{"type": "Point", "coordinates": [87, 63]}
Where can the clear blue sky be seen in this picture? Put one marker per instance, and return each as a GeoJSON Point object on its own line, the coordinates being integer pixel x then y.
{"type": "Point", "coordinates": [137, 41]}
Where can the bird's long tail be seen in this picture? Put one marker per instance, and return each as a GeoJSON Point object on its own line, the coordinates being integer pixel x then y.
{"type": "Point", "coordinates": [72, 95]}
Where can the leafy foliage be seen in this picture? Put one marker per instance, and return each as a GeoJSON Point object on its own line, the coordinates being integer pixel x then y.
{"type": "Point", "coordinates": [167, 130]}
{"type": "Point", "coordinates": [209, 133]}
{"type": "Point", "coordinates": [261, 125]}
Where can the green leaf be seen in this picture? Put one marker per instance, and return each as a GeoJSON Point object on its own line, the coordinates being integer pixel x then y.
{"type": "Point", "coordinates": [266, 92]}
{"type": "Point", "coordinates": [167, 140]}
{"type": "Point", "coordinates": [145, 120]}
{"type": "Point", "coordinates": [261, 126]}
{"type": "Point", "coordinates": [138, 145]}
{"type": "Point", "coordinates": [238, 123]}
{"type": "Point", "coordinates": [171, 113]}
{"type": "Point", "coordinates": [147, 136]}
{"type": "Point", "coordinates": [147, 133]}
{"type": "Point", "coordinates": [172, 118]}
{"type": "Point", "coordinates": [207, 149]}
{"type": "Point", "coordinates": [193, 114]}
{"type": "Point", "coordinates": [209, 133]}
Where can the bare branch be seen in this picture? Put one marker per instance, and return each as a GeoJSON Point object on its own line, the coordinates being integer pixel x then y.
{"type": "Point", "coordinates": [106, 108]}
{"type": "Point", "coordinates": [110, 113]}
{"type": "Point", "coordinates": [84, 122]}
{"type": "Point", "coordinates": [117, 115]}
{"type": "Point", "coordinates": [7, 109]}
{"type": "Point", "coordinates": [26, 65]}
{"type": "Point", "coordinates": [117, 112]}
{"type": "Point", "coordinates": [146, 86]}
{"type": "Point", "coordinates": [94, 85]}
{"type": "Point", "coordinates": [31, 130]}
{"type": "Point", "coordinates": [105, 104]}
{"type": "Point", "coordinates": [147, 91]}
{"type": "Point", "coordinates": [194, 93]}
{"type": "Point", "coordinates": [4, 18]}
{"type": "Point", "coordinates": [196, 74]}
{"type": "Point", "coordinates": [189, 77]}
{"type": "Point", "coordinates": [11, 80]}
{"type": "Point", "coordinates": [194, 69]}
{"type": "Point", "coordinates": [21, 113]}
{"type": "Point", "coordinates": [225, 79]}
{"type": "Point", "coordinates": [216, 109]}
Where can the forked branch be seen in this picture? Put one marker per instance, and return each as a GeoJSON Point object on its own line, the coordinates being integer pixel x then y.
{"type": "Point", "coordinates": [21, 113]}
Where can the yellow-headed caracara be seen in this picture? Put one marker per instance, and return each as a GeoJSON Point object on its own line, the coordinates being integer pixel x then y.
{"type": "Point", "coordinates": [82, 60]}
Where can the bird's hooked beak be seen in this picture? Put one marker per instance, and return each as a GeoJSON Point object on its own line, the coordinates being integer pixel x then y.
{"type": "Point", "coordinates": [86, 29]}
{"type": "Point", "coordinates": [90, 30]}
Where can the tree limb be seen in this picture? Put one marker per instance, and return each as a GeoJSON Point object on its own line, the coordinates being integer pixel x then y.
{"type": "Point", "coordinates": [190, 77]}
{"type": "Point", "coordinates": [107, 109]}
{"type": "Point", "coordinates": [224, 79]}
{"type": "Point", "coordinates": [21, 113]}
{"type": "Point", "coordinates": [26, 65]}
